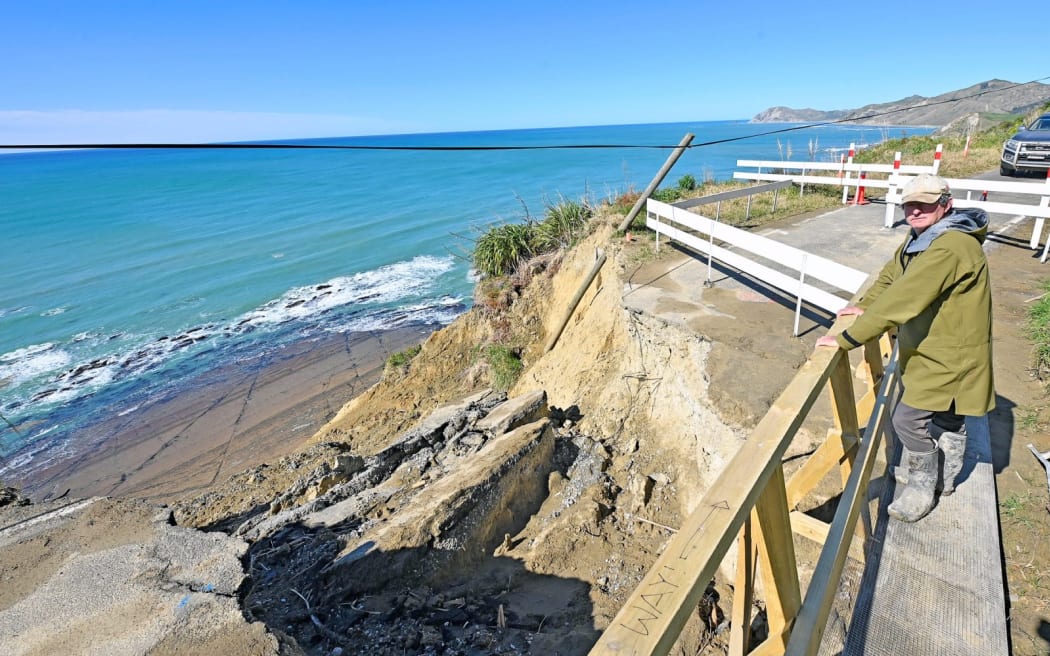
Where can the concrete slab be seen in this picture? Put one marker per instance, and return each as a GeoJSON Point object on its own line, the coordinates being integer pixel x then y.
{"type": "Point", "coordinates": [459, 519]}
{"type": "Point", "coordinates": [109, 576]}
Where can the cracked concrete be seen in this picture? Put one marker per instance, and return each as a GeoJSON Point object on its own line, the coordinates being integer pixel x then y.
{"type": "Point", "coordinates": [116, 577]}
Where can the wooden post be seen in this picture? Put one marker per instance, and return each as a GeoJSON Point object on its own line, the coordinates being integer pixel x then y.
{"type": "Point", "coordinates": [832, 452]}
{"type": "Point", "coordinates": [574, 302]}
{"type": "Point", "coordinates": [843, 409]}
{"type": "Point", "coordinates": [675, 154]}
{"type": "Point", "coordinates": [887, 346]}
{"type": "Point", "coordinates": [870, 371]}
{"type": "Point", "coordinates": [743, 593]}
{"type": "Point", "coordinates": [845, 414]}
{"type": "Point", "coordinates": [798, 300]}
{"type": "Point", "coordinates": [777, 551]}
{"type": "Point", "coordinates": [891, 191]}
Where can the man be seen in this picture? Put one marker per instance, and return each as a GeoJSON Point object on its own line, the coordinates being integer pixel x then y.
{"type": "Point", "coordinates": [936, 291]}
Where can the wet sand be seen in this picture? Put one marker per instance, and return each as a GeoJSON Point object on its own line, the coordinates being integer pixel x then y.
{"type": "Point", "coordinates": [231, 419]}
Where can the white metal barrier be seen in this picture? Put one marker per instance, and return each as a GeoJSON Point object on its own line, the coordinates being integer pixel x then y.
{"type": "Point", "coordinates": [896, 180]}
{"type": "Point", "coordinates": [845, 169]}
{"type": "Point", "coordinates": [1039, 212]}
{"type": "Point", "coordinates": [675, 221]}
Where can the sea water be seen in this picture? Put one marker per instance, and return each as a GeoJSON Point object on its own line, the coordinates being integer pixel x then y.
{"type": "Point", "coordinates": [127, 272]}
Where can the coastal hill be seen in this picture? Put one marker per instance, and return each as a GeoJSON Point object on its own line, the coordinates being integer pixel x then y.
{"type": "Point", "coordinates": [991, 100]}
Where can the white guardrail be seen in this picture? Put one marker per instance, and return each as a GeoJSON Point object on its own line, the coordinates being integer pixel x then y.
{"type": "Point", "coordinates": [701, 233]}
{"type": "Point", "coordinates": [897, 179]}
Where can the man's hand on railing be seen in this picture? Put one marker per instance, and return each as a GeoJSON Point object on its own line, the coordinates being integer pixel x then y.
{"type": "Point", "coordinates": [829, 340]}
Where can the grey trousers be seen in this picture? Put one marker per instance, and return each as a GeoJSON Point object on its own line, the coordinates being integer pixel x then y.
{"type": "Point", "coordinates": [912, 426]}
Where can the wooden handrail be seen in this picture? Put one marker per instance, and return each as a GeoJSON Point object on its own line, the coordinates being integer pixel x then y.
{"type": "Point", "coordinates": [809, 625]}
{"type": "Point", "coordinates": [756, 503]}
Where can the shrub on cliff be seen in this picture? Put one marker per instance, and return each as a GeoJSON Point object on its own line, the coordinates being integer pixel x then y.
{"type": "Point", "coordinates": [498, 251]}
{"type": "Point", "coordinates": [562, 224]}
{"type": "Point", "coordinates": [503, 248]}
{"type": "Point", "coordinates": [398, 362]}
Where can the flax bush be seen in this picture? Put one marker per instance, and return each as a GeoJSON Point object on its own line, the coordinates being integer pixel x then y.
{"type": "Point", "coordinates": [502, 248]}
{"type": "Point", "coordinates": [561, 225]}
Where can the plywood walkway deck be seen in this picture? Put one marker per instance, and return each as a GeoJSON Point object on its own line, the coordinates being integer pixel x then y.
{"type": "Point", "coordinates": [936, 586]}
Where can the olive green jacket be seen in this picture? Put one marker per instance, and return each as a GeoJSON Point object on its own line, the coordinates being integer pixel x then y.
{"type": "Point", "coordinates": [936, 291]}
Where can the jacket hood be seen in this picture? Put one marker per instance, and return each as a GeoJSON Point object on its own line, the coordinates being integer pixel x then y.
{"type": "Point", "coordinates": [971, 220]}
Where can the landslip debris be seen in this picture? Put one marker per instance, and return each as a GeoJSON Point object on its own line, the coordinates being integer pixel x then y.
{"type": "Point", "coordinates": [411, 550]}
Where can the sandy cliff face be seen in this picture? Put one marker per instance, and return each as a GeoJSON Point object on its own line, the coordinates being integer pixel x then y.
{"type": "Point", "coordinates": [639, 383]}
{"type": "Point", "coordinates": [636, 386]}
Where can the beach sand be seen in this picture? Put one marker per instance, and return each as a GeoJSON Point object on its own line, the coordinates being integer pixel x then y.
{"type": "Point", "coordinates": [230, 420]}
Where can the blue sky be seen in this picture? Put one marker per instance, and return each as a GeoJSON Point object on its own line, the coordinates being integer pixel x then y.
{"type": "Point", "coordinates": [207, 70]}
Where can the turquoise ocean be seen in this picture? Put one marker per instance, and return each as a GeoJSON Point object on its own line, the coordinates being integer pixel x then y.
{"type": "Point", "coordinates": [128, 272]}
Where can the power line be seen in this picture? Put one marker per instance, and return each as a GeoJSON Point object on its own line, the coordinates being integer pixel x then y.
{"type": "Point", "coordinates": [297, 146]}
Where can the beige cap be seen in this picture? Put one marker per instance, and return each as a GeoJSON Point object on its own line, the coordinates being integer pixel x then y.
{"type": "Point", "coordinates": [925, 188]}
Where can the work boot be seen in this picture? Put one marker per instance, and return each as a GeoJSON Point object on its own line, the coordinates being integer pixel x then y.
{"type": "Point", "coordinates": [917, 499]}
{"type": "Point", "coordinates": [900, 474]}
{"type": "Point", "coordinates": [953, 445]}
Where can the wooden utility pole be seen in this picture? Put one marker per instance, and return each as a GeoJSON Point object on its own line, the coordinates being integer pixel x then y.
{"type": "Point", "coordinates": [675, 154]}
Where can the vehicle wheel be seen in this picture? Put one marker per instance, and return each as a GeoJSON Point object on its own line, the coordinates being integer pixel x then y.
{"type": "Point", "coordinates": [1004, 170]}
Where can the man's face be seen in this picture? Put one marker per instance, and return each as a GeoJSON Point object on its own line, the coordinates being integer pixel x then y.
{"type": "Point", "coordinates": [923, 215]}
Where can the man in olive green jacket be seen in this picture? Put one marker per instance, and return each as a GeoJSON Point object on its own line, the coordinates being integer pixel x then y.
{"type": "Point", "coordinates": [936, 291]}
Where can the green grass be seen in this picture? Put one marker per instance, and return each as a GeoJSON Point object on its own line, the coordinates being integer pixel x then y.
{"type": "Point", "coordinates": [668, 195]}
{"type": "Point", "coordinates": [790, 201]}
{"type": "Point", "coordinates": [1038, 328]}
{"type": "Point", "coordinates": [400, 359]}
{"type": "Point", "coordinates": [957, 162]}
{"type": "Point", "coordinates": [1015, 506]}
{"type": "Point", "coordinates": [504, 365]}
{"type": "Point", "coordinates": [1028, 419]}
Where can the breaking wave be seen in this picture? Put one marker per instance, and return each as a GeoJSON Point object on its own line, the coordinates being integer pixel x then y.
{"type": "Point", "coordinates": [43, 382]}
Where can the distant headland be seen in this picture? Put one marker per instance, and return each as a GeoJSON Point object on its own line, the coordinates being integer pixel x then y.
{"type": "Point", "coordinates": [989, 101]}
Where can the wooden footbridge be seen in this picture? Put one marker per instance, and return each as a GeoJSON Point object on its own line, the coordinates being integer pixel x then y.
{"type": "Point", "coordinates": [879, 587]}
